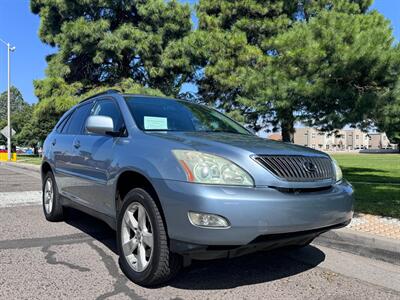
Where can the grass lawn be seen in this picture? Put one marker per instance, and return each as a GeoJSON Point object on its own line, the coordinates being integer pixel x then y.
{"type": "Point", "coordinates": [35, 160]}
{"type": "Point", "coordinates": [376, 180]}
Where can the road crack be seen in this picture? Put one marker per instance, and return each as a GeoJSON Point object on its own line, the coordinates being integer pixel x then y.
{"type": "Point", "coordinates": [52, 260]}
{"type": "Point", "coordinates": [120, 284]}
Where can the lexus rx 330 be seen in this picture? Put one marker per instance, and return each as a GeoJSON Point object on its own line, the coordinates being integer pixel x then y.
{"type": "Point", "coordinates": [180, 181]}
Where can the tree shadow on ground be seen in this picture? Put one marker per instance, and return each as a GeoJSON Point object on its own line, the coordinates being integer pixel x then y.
{"type": "Point", "coordinates": [217, 274]}
{"type": "Point", "coordinates": [357, 174]}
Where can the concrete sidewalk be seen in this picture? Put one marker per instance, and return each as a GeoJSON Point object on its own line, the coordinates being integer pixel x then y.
{"type": "Point", "coordinates": [376, 225]}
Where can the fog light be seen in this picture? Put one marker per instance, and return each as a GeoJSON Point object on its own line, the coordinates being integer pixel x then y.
{"type": "Point", "coordinates": [207, 220]}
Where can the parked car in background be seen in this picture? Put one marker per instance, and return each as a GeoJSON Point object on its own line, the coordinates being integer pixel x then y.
{"type": "Point", "coordinates": [181, 181]}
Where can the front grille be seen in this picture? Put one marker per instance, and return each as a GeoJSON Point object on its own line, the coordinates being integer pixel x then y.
{"type": "Point", "coordinates": [297, 168]}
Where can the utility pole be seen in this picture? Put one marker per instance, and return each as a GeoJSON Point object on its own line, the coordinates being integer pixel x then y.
{"type": "Point", "coordinates": [9, 49]}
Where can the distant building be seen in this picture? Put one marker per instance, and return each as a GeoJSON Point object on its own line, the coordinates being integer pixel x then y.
{"type": "Point", "coordinates": [380, 141]}
{"type": "Point", "coordinates": [342, 140]}
{"type": "Point", "coordinates": [275, 136]}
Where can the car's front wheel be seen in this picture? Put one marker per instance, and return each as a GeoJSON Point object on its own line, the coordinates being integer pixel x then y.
{"type": "Point", "coordinates": [52, 207]}
{"type": "Point", "coordinates": [142, 241]}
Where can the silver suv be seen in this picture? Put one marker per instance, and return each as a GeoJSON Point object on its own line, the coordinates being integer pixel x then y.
{"type": "Point", "coordinates": [180, 181]}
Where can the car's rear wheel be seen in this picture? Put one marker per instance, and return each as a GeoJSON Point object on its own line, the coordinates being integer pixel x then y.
{"type": "Point", "coordinates": [52, 207]}
{"type": "Point", "coordinates": [142, 241]}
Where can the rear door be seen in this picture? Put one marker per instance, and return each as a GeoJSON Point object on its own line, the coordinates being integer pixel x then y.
{"type": "Point", "coordinates": [93, 160]}
{"type": "Point", "coordinates": [73, 128]}
{"type": "Point", "coordinates": [61, 144]}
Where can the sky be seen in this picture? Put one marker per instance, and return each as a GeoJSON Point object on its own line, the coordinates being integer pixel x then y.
{"type": "Point", "coordinates": [19, 27]}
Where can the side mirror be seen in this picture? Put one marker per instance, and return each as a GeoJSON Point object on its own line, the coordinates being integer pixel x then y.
{"type": "Point", "coordinates": [100, 125]}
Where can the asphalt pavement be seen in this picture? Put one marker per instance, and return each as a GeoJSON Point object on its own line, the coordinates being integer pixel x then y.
{"type": "Point", "coordinates": [77, 259]}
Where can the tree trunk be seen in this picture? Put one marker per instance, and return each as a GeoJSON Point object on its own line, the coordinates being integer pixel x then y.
{"type": "Point", "coordinates": [287, 127]}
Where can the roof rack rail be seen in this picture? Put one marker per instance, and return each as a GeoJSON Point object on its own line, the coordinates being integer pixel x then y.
{"type": "Point", "coordinates": [110, 91]}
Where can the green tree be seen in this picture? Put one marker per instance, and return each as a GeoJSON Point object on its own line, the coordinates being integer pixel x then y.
{"type": "Point", "coordinates": [327, 63]}
{"type": "Point", "coordinates": [20, 111]}
{"type": "Point", "coordinates": [229, 41]}
{"type": "Point", "coordinates": [328, 72]}
{"type": "Point", "coordinates": [388, 115]}
{"type": "Point", "coordinates": [16, 100]}
{"type": "Point", "coordinates": [102, 42]}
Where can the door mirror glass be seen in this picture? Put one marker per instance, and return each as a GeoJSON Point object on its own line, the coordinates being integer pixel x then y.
{"type": "Point", "coordinates": [100, 125]}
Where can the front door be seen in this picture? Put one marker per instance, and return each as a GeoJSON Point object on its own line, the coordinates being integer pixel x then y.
{"type": "Point", "coordinates": [93, 160]}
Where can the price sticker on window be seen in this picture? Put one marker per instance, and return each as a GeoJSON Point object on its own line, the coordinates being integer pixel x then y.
{"type": "Point", "coordinates": [155, 123]}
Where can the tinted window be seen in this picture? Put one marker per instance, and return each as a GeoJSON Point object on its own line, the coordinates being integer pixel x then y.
{"type": "Point", "coordinates": [61, 126]}
{"type": "Point", "coordinates": [155, 114]}
{"type": "Point", "coordinates": [109, 109]}
{"type": "Point", "coordinates": [78, 118]}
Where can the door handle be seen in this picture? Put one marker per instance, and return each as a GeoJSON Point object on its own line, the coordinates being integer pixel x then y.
{"type": "Point", "coordinates": [54, 142]}
{"type": "Point", "coordinates": [77, 144]}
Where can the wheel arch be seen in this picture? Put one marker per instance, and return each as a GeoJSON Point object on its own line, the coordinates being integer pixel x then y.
{"type": "Point", "coordinates": [44, 168]}
{"type": "Point", "coordinates": [130, 179]}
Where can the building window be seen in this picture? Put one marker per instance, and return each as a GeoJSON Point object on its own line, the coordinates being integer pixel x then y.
{"type": "Point", "coordinates": [357, 137]}
{"type": "Point", "coordinates": [313, 135]}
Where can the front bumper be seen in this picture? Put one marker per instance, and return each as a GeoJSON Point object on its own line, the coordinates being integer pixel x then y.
{"type": "Point", "coordinates": [251, 211]}
{"type": "Point", "coordinates": [261, 243]}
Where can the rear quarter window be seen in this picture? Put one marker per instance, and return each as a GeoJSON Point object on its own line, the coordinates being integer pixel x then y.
{"type": "Point", "coordinates": [77, 120]}
{"type": "Point", "coordinates": [64, 121]}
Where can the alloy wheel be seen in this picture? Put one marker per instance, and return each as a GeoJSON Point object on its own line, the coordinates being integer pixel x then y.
{"type": "Point", "coordinates": [137, 237]}
{"type": "Point", "coordinates": [48, 195]}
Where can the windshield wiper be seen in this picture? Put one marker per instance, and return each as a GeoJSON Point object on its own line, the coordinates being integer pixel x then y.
{"type": "Point", "coordinates": [222, 131]}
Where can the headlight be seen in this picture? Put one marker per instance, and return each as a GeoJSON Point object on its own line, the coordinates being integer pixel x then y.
{"type": "Point", "coordinates": [211, 169]}
{"type": "Point", "coordinates": [338, 170]}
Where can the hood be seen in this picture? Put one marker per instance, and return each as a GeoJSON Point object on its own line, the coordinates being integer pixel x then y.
{"type": "Point", "coordinates": [210, 141]}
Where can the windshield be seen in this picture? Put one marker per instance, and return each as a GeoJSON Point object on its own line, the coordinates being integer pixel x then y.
{"type": "Point", "coordinates": [158, 114]}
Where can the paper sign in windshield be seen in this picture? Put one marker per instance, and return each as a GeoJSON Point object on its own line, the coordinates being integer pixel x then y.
{"type": "Point", "coordinates": [155, 123]}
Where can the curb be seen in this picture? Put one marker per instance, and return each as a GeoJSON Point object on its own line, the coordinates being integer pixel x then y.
{"type": "Point", "coordinates": [361, 243]}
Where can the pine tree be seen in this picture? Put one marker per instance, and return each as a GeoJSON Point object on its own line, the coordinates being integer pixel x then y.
{"type": "Point", "coordinates": [326, 63]}
{"type": "Point", "coordinates": [102, 42]}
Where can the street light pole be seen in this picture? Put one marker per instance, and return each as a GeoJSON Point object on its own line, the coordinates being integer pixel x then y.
{"type": "Point", "coordinates": [9, 49]}
{"type": "Point", "coordinates": [8, 104]}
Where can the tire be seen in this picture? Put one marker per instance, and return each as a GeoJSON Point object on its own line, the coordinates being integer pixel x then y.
{"type": "Point", "coordinates": [52, 207]}
{"type": "Point", "coordinates": [158, 264]}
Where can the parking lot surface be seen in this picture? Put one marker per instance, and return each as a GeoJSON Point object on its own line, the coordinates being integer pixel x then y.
{"type": "Point", "coordinates": [77, 259]}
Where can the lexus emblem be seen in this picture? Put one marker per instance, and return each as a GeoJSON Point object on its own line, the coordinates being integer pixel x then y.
{"type": "Point", "coordinates": [309, 166]}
